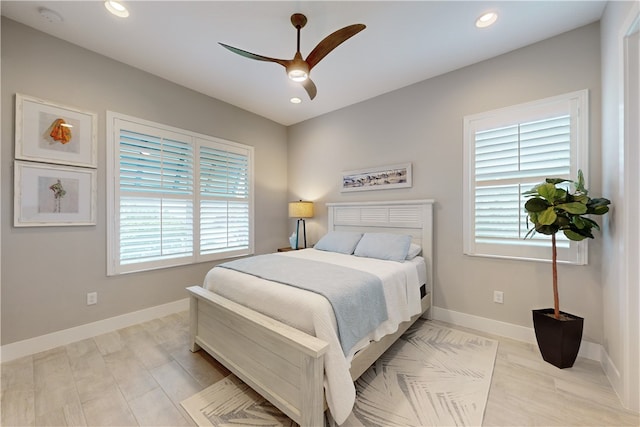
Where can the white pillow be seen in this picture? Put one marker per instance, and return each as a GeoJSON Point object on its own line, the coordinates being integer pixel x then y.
{"type": "Point", "coordinates": [343, 242]}
{"type": "Point", "coordinates": [414, 251]}
{"type": "Point", "coordinates": [387, 246]}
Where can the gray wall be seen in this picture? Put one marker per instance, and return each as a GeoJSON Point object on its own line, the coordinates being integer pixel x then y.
{"type": "Point", "coordinates": [422, 123]}
{"type": "Point", "coordinates": [47, 272]}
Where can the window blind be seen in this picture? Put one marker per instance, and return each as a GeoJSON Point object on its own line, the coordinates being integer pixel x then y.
{"type": "Point", "coordinates": [176, 197]}
{"type": "Point", "coordinates": [156, 205]}
{"type": "Point", "coordinates": [522, 155]}
{"type": "Point", "coordinates": [508, 152]}
{"type": "Point", "coordinates": [224, 200]}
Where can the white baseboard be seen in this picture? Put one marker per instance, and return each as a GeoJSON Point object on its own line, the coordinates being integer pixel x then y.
{"type": "Point", "coordinates": [613, 374]}
{"type": "Point", "coordinates": [30, 346]}
{"type": "Point", "coordinates": [67, 336]}
{"type": "Point", "coordinates": [588, 349]}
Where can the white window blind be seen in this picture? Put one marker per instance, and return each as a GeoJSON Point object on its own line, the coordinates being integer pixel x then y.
{"type": "Point", "coordinates": [509, 151]}
{"type": "Point", "coordinates": [156, 197]}
{"type": "Point", "coordinates": [176, 197]}
{"type": "Point", "coordinates": [224, 203]}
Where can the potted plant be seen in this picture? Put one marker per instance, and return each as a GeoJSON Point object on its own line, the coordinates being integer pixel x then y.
{"type": "Point", "coordinates": [553, 208]}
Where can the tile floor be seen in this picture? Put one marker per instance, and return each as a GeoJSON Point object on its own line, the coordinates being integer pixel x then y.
{"type": "Point", "coordinates": [137, 376]}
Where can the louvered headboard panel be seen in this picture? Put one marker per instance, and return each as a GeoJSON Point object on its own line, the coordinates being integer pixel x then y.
{"type": "Point", "coordinates": [412, 217]}
{"type": "Point", "coordinates": [393, 216]}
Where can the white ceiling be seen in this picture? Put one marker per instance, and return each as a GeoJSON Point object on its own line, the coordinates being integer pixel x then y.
{"type": "Point", "coordinates": [404, 43]}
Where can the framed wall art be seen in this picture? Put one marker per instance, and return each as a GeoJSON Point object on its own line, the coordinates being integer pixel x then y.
{"type": "Point", "coordinates": [377, 178]}
{"type": "Point", "coordinates": [52, 195]}
{"type": "Point", "coordinates": [52, 133]}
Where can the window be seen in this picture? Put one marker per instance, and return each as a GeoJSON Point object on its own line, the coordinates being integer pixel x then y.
{"type": "Point", "coordinates": [175, 197]}
{"type": "Point", "coordinates": [509, 151]}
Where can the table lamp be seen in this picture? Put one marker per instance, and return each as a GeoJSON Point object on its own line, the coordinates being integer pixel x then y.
{"type": "Point", "coordinates": [301, 210]}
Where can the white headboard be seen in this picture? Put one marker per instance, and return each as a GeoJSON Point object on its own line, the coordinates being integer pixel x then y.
{"type": "Point", "coordinates": [413, 217]}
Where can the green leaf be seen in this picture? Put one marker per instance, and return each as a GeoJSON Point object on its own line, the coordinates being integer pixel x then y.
{"type": "Point", "coordinates": [547, 229]}
{"type": "Point", "coordinates": [580, 184]}
{"type": "Point", "coordinates": [575, 208]}
{"type": "Point", "coordinates": [599, 210]}
{"type": "Point", "coordinates": [578, 221]}
{"type": "Point", "coordinates": [561, 194]}
{"type": "Point", "coordinates": [547, 217]}
{"type": "Point", "coordinates": [536, 204]}
{"type": "Point", "coordinates": [531, 232]}
{"type": "Point", "coordinates": [584, 199]}
{"type": "Point", "coordinates": [571, 235]}
{"type": "Point", "coordinates": [547, 191]}
{"type": "Point", "coordinates": [598, 206]}
{"type": "Point", "coordinates": [584, 232]}
{"type": "Point", "coordinates": [590, 223]}
{"type": "Point", "coordinates": [563, 219]}
{"type": "Point", "coordinates": [555, 181]}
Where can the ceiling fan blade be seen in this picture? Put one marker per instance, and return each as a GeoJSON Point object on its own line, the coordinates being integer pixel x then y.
{"type": "Point", "coordinates": [332, 41]}
{"type": "Point", "coordinates": [283, 62]}
{"type": "Point", "coordinates": [310, 87]}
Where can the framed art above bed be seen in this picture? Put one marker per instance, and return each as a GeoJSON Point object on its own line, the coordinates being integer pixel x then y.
{"type": "Point", "coordinates": [377, 178]}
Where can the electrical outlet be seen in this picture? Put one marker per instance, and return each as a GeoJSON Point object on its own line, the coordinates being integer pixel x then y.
{"type": "Point", "coordinates": [92, 298]}
{"type": "Point", "coordinates": [498, 297]}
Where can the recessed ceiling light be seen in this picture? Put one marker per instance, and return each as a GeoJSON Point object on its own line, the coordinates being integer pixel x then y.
{"type": "Point", "coordinates": [486, 19]}
{"type": "Point", "coordinates": [295, 100]}
{"type": "Point", "coordinates": [116, 8]}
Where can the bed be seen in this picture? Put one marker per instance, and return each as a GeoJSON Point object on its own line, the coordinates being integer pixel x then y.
{"type": "Point", "coordinates": [287, 365]}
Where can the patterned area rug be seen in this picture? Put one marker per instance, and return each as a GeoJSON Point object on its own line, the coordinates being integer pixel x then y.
{"type": "Point", "coordinates": [432, 376]}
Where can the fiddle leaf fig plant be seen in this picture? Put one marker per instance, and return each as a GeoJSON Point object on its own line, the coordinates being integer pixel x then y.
{"type": "Point", "coordinates": [551, 208]}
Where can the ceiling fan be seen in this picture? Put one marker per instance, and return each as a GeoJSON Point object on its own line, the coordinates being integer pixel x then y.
{"type": "Point", "coordinates": [298, 69]}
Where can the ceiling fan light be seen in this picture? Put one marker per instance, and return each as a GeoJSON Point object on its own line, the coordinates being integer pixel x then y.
{"type": "Point", "coordinates": [298, 75]}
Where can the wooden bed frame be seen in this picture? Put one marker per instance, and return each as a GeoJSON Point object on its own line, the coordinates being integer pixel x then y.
{"type": "Point", "coordinates": [283, 364]}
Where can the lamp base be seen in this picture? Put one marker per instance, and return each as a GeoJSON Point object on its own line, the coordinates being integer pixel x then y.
{"type": "Point", "coordinates": [304, 232]}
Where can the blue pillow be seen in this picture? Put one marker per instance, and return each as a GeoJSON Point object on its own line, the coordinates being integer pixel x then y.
{"type": "Point", "coordinates": [388, 246]}
{"type": "Point", "coordinates": [343, 242]}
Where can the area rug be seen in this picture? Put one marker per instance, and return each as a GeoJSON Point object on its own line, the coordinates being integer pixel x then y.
{"type": "Point", "coordinates": [432, 376]}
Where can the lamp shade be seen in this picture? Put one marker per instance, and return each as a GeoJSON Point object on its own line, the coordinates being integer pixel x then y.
{"type": "Point", "coordinates": [300, 209]}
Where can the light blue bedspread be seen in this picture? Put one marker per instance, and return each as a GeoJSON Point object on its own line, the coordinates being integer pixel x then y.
{"type": "Point", "coordinates": [357, 297]}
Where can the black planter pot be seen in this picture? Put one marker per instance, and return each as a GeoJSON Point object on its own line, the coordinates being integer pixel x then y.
{"type": "Point", "coordinates": [558, 340]}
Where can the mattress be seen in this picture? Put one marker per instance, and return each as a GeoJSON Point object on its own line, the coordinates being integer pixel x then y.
{"type": "Point", "coordinates": [313, 314]}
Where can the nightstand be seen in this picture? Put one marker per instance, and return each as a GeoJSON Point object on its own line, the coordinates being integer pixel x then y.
{"type": "Point", "coordinates": [287, 249]}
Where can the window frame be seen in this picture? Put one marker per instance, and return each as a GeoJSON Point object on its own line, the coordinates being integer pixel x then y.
{"type": "Point", "coordinates": [577, 104]}
{"type": "Point", "coordinates": [114, 265]}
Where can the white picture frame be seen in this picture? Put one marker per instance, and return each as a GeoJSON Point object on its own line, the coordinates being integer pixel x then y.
{"type": "Point", "coordinates": [377, 178]}
{"type": "Point", "coordinates": [53, 195]}
{"type": "Point", "coordinates": [53, 133]}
